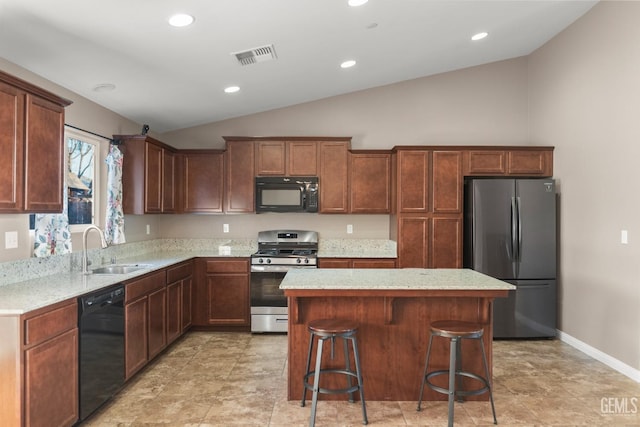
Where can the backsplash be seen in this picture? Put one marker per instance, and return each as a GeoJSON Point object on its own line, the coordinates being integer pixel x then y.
{"type": "Point", "coordinates": [27, 269]}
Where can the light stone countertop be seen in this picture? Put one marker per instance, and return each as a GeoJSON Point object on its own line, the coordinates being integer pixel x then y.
{"type": "Point", "coordinates": [34, 283]}
{"type": "Point", "coordinates": [22, 297]}
{"type": "Point", "coordinates": [391, 279]}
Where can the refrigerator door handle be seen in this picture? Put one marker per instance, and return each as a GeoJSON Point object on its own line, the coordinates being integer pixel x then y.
{"type": "Point", "coordinates": [518, 203]}
{"type": "Point", "coordinates": [514, 230]}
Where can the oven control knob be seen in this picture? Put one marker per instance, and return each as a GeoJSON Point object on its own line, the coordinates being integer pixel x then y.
{"type": "Point", "coordinates": [298, 260]}
{"type": "Point", "coordinates": [306, 260]}
{"type": "Point", "coordinates": [268, 260]}
{"type": "Point", "coordinates": [260, 261]}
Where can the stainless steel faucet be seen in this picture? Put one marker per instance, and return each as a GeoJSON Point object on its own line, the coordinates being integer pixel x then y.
{"type": "Point", "coordinates": [103, 242]}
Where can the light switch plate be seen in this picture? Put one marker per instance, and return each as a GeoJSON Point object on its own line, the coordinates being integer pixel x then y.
{"type": "Point", "coordinates": [10, 239]}
{"type": "Point", "coordinates": [624, 237]}
{"type": "Point", "coordinates": [349, 229]}
{"type": "Point", "coordinates": [225, 228]}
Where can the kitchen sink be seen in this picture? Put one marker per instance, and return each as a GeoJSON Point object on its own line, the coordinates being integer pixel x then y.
{"type": "Point", "coordinates": [119, 269]}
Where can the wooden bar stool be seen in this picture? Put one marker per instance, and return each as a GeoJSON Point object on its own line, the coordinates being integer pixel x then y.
{"type": "Point", "coordinates": [456, 331]}
{"type": "Point", "coordinates": [330, 329]}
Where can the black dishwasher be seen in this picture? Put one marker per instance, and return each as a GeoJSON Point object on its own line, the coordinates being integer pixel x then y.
{"type": "Point", "coordinates": [101, 325]}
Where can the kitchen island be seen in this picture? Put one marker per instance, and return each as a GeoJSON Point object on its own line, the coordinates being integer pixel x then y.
{"type": "Point", "coordinates": [394, 308]}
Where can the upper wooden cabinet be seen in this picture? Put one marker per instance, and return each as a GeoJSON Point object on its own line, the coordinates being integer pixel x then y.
{"type": "Point", "coordinates": [286, 158]}
{"type": "Point", "coordinates": [447, 182]}
{"type": "Point", "coordinates": [412, 181]}
{"type": "Point", "coordinates": [513, 161]}
{"type": "Point", "coordinates": [333, 176]}
{"type": "Point", "coordinates": [370, 182]}
{"type": "Point", "coordinates": [149, 177]}
{"type": "Point", "coordinates": [239, 176]}
{"type": "Point", "coordinates": [31, 147]}
{"type": "Point", "coordinates": [203, 179]}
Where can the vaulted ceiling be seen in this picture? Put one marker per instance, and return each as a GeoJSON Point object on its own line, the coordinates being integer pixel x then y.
{"type": "Point", "coordinates": [124, 55]}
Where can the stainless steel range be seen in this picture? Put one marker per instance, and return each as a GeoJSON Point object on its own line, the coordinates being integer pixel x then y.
{"type": "Point", "coordinates": [278, 252]}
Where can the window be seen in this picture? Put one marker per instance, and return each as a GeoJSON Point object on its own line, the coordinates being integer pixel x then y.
{"type": "Point", "coordinates": [83, 178]}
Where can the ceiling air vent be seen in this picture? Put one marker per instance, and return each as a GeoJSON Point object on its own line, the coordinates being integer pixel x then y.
{"type": "Point", "coordinates": [255, 55]}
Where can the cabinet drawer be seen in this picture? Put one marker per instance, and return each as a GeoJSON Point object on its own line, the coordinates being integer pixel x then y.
{"type": "Point", "coordinates": [43, 326]}
{"type": "Point", "coordinates": [228, 266]}
{"type": "Point", "coordinates": [179, 272]}
{"type": "Point", "coordinates": [145, 285]}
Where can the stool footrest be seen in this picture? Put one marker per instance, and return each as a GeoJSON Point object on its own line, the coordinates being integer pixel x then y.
{"type": "Point", "coordinates": [442, 390]}
{"type": "Point", "coordinates": [309, 386]}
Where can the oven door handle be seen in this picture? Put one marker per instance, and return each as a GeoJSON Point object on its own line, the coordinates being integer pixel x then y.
{"type": "Point", "coordinates": [277, 268]}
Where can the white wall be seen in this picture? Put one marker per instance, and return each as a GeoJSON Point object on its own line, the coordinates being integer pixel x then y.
{"type": "Point", "coordinates": [584, 91]}
{"type": "Point", "coordinates": [478, 105]}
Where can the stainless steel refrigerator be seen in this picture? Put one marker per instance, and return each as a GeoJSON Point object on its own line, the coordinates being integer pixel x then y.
{"type": "Point", "coordinates": [510, 234]}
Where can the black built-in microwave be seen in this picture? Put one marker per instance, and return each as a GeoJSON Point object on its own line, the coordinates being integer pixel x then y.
{"type": "Point", "coordinates": [286, 194]}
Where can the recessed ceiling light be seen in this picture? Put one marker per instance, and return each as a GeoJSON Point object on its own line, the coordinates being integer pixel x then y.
{"type": "Point", "coordinates": [104, 87]}
{"type": "Point", "coordinates": [180, 20]}
{"type": "Point", "coordinates": [355, 3]}
{"type": "Point", "coordinates": [479, 36]}
{"type": "Point", "coordinates": [232, 89]}
{"type": "Point", "coordinates": [348, 64]}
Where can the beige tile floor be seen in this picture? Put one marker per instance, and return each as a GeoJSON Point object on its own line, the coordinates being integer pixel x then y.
{"type": "Point", "coordinates": [235, 379]}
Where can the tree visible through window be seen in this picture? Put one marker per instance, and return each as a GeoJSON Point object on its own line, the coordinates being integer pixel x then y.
{"type": "Point", "coordinates": [80, 180]}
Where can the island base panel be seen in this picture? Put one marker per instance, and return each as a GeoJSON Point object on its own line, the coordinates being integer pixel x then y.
{"type": "Point", "coordinates": [392, 339]}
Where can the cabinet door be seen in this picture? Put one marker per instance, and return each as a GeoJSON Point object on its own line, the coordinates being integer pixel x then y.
{"type": "Point", "coordinates": [413, 239]}
{"type": "Point", "coordinates": [44, 159]}
{"type": "Point", "coordinates": [229, 299]}
{"type": "Point", "coordinates": [302, 158]}
{"type": "Point", "coordinates": [240, 179]}
{"type": "Point", "coordinates": [369, 183]}
{"type": "Point", "coordinates": [174, 311]}
{"type": "Point", "coordinates": [530, 163]}
{"type": "Point", "coordinates": [153, 179]}
{"type": "Point", "coordinates": [157, 322]}
{"type": "Point", "coordinates": [446, 242]}
{"type": "Point", "coordinates": [11, 148]}
{"type": "Point", "coordinates": [186, 288]}
{"type": "Point", "coordinates": [169, 184]}
{"type": "Point", "coordinates": [136, 336]}
{"type": "Point", "coordinates": [447, 181]}
{"type": "Point", "coordinates": [270, 158]}
{"type": "Point", "coordinates": [486, 162]}
{"type": "Point", "coordinates": [203, 183]}
{"type": "Point", "coordinates": [51, 382]}
{"type": "Point", "coordinates": [333, 177]}
{"type": "Point", "coordinates": [412, 181]}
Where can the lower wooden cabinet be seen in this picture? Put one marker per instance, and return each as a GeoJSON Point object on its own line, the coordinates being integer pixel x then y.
{"type": "Point", "coordinates": [157, 321]}
{"type": "Point", "coordinates": [136, 334]}
{"type": "Point", "coordinates": [179, 279]}
{"type": "Point", "coordinates": [426, 241]}
{"type": "Point", "coordinates": [145, 312]}
{"type": "Point", "coordinates": [51, 366]}
{"type": "Point", "coordinates": [222, 294]}
{"type": "Point", "coordinates": [356, 263]}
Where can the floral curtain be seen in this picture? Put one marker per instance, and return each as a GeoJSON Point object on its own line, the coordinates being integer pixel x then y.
{"type": "Point", "coordinates": [52, 233]}
{"type": "Point", "coordinates": [114, 227]}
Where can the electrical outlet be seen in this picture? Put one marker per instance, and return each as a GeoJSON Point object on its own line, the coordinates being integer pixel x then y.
{"type": "Point", "coordinates": [225, 228]}
{"type": "Point", "coordinates": [10, 239]}
{"type": "Point", "coordinates": [349, 229]}
{"type": "Point", "coordinates": [148, 229]}
{"type": "Point", "coordinates": [624, 237]}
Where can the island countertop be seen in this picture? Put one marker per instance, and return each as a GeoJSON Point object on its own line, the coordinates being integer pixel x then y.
{"type": "Point", "coordinates": [391, 279]}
